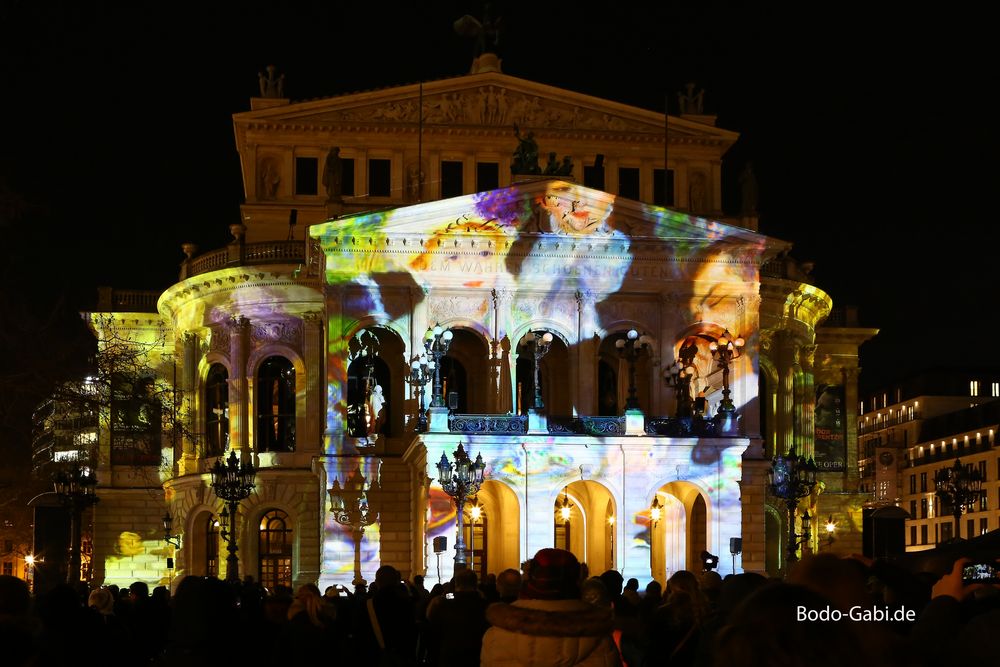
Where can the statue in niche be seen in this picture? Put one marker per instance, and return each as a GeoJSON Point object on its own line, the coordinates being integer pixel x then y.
{"type": "Point", "coordinates": [691, 101]}
{"type": "Point", "coordinates": [270, 178]}
{"type": "Point", "coordinates": [698, 193]}
{"type": "Point", "coordinates": [414, 182]}
{"type": "Point", "coordinates": [525, 158]}
{"type": "Point", "coordinates": [271, 85]}
{"type": "Point", "coordinates": [566, 168]}
{"type": "Point", "coordinates": [333, 174]}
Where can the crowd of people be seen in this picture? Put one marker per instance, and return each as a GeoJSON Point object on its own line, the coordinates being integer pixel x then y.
{"type": "Point", "coordinates": [828, 610]}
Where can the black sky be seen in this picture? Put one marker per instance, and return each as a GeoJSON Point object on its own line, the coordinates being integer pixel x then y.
{"type": "Point", "coordinates": [873, 136]}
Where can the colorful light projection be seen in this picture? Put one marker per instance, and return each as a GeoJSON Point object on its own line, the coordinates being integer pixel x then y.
{"type": "Point", "coordinates": [563, 239]}
{"type": "Point", "coordinates": [139, 558]}
{"type": "Point", "coordinates": [538, 469]}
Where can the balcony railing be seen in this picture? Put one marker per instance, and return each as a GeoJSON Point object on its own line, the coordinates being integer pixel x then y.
{"type": "Point", "coordinates": [592, 426]}
{"type": "Point", "coordinates": [267, 252]}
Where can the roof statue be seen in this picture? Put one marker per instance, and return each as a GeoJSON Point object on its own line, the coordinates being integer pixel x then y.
{"type": "Point", "coordinates": [690, 101]}
{"type": "Point", "coordinates": [486, 35]}
{"type": "Point", "coordinates": [525, 158]}
{"type": "Point", "coordinates": [271, 85]}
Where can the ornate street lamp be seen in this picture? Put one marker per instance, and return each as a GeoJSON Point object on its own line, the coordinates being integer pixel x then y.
{"type": "Point", "coordinates": [75, 487]}
{"type": "Point", "coordinates": [460, 480]}
{"type": "Point", "coordinates": [725, 351]}
{"type": "Point", "coordinates": [436, 342]}
{"type": "Point", "coordinates": [629, 348]}
{"type": "Point", "coordinates": [790, 479]}
{"type": "Point", "coordinates": [421, 372]}
{"type": "Point", "coordinates": [678, 377]}
{"type": "Point", "coordinates": [350, 506]}
{"type": "Point", "coordinates": [960, 487]}
{"type": "Point", "coordinates": [168, 537]}
{"type": "Point", "coordinates": [538, 343]}
{"type": "Point", "coordinates": [232, 482]}
{"type": "Point", "coordinates": [655, 512]}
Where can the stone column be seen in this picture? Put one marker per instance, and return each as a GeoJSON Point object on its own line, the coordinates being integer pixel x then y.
{"type": "Point", "coordinates": [312, 353]}
{"type": "Point", "coordinates": [239, 392]}
{"type": "Point", "coordinates": [189, 387]}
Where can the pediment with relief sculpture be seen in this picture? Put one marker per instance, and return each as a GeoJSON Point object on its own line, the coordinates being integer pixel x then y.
{"type": "Point", "coordinates": [491, 99]}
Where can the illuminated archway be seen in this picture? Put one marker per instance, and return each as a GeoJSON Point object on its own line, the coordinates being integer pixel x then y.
{"type": "Point", "coordinates": [682, 531]}
{"type": "Point", "coordinates": [585, 522]}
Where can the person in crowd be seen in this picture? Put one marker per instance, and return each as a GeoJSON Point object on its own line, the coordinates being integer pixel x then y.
{"type": "Point", "coordinates": [674, 631]}
{"type": "Point", "coordinates": [458, 623]}
{"type": "Point", "coordinates": [386, 626]}
{"type": "Point", "coordinates": [311, 628]}
{"type": "Point", "coordinates": [18, 626]}
{"type": "Point", "coordinates": [550, 624]}
{"type": "Point", "coordinates": [508, 585]}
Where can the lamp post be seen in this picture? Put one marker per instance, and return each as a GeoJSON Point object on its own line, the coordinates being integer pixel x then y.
{"type": "Point", "coordinates": [75, 487]}
{"type": "Point", "coordinates": [436, 342]}
{"type": "Point", "coordinates": [350, 507]}
{"type": "Point", "coordinates": [725, 351]}
{"type": "Point", "coordinates": [629, 348]}
{"type": "Point", "coordinates": [538, 343]}
{"type": "Point", "coordinates": [232, 482]}
{"type": "Point", "coordinates": [960, 487]}
{"type": "Point", "coordinates": [420, 374]}
{"type": "Point", "coordinates": [168, 537]}
{"type": "Point", "coordinates": [460, 480]}
{"type": "Point", "coordinates": [678, 377]}
{"type": "Point", "coordinates": [790, 479]}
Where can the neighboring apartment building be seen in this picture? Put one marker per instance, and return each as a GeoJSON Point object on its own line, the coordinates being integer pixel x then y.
{"type": "Point", "coordinates": [910, 431]}
{"type": "Point", "coordinates": [415, 215]}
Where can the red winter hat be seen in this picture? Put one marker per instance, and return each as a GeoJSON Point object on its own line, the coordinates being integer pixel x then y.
{"type": "Point", "coordinates": [553, 574]}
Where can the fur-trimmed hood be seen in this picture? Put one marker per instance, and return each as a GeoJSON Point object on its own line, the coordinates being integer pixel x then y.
{"type": "Point", "coordinates": [551, 618]}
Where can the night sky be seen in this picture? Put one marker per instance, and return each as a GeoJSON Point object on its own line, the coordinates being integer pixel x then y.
{"type": "Point", "coordinates": [872, 137]}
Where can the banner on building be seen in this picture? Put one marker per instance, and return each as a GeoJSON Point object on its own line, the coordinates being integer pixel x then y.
{"type": "Point", "coordinates": [830, 431]}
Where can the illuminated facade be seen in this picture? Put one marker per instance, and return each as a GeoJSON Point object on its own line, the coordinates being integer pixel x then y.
{"type": "Point", "coordinates": [294, 347]}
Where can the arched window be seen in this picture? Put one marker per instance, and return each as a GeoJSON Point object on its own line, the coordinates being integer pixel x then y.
{"type": "Point", "coordinates": [276, 405]}
{"type": "Point", "coordinates": [211, 546]}
{"type": "Point", "coordinates": [453, 384]}
{"type": "Point", "coordinates": [607, 390]}
{"type": "Point", "coordinates": [369, 391]}
{"type": "Point", "coordinates": [216, 410]}
{"type": "Point", "coordinates": [274, 550]}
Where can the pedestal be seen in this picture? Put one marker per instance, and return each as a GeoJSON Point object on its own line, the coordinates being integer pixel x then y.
{"type": "Point", "coordinates": [439, 420]}
{"type": "Point", "coordinates": [635, 422]}
{"type": "Point", "coordinates": [538, 422]}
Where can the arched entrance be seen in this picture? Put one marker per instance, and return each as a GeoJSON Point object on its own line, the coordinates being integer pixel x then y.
{"type": "Point", "coordinates": [613, 375]}
{"type": "Point", "coordinates": [681, 532]}
{"type": "Point", "coordinates": [584, 521]}
{"type": "Point", "coordinates": [556, 393]}
{"type": "Point", "coordinates": [375, 384]}
{"type": "Point", "coordinates": [465, 371]}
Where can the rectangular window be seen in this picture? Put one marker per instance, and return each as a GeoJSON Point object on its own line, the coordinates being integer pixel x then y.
{"type": "Point", "coordinates": [982, 470]}
{"type": "Point", "coordinates": [628, 182]}
{"type": "Point", "coordinates": [306, 170]}
{"type": "Point", "coordinates": [923, 508]}
{"type": "Point", "coordinates": [923, 482]}
{"type": "Point", "coordinates": [974, 388]}
{"type": "Point", "coordinates": [984, 526]}
{"type": "Point", "coordinates": [593, 175]}
{"type": "Point", "coordinates": [971, 525]}
{"type": "Point", "coordinates": [913, 535]}
{"type": "Point", "coordinates": [8, 546]}
{"type": "Point", "coordinates": [451, 179]}
{"type": "Point", "coordinates": [487, 176]}
{"type": "Point", "coordinates": [8, 568]}
{"type": "Point", "coordinates": [923, 534]}
{"type": "Point", "coordinates": [995, 390]}
{"type": "Point", "coordinates": [347, 176]}
{"type": "Point", "coordinates": [984, 502]}
{"type": "Point", "coordinates": [663, 195]}
{"type": "Point", "coordinates": [379, 178]}
{"type": "Point", "coordinates": [913, 483]}
{"type": "Point", "coordinates": [913, 509]}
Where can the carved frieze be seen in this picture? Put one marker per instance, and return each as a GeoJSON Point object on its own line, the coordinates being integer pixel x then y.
{"type": "Point", "coordinates": [280, 331]}
{"type": "Point", "coordinates": [450, 308]}
{"type": "Point", "coordinates": [219, 340]}
{"type": "Point", "coordinates": [489, 105]}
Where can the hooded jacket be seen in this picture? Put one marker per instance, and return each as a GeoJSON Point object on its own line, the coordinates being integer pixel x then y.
{"type": "Point", "coordinates": [553, 633]}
